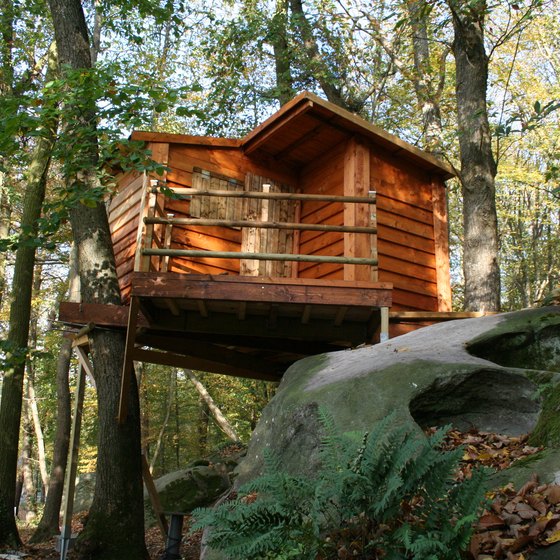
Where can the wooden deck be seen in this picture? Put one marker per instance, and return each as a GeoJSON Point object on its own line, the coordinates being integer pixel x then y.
{"type": "Point", "coordinates": [238, 325]}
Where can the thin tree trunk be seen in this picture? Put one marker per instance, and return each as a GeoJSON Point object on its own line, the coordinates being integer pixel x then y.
{"type": "Point", "coordinates": [203, 417]}
{"type": "Point", "coordinates": [31, 395]}
{"type": "Point", "coordinates": [115, 528]}
{"type": "Point", "coordinates": [20, 316]}
{"type": "Point", "coordinates": [478, 168]}
{"type": "Point", "coordinates": [168, 406]}
{"type": "Point", "coordinates": [50, 522]}
{"type": "Point", "coordinates": [426, 93]}
{"type": "Point", "coordinates": [26, 466]}
{"type": "Point", "coordinates": [217, 414]}
{"type": "Point", "coordinates": [282, 55]}
{"type": "Point", "coordinates": [5, 212]}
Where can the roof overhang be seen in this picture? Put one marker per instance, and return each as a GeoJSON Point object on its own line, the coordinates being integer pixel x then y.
{"type": "Point", "coordinates": [308, 124]}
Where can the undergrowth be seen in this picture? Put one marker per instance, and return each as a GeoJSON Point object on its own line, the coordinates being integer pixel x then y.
{"type": "Point", "coordinates": [390, 495]}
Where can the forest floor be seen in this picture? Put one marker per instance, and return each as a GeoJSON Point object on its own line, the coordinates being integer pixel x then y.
{"type": "Point", "coordinates": [190, 549]}
{"type": "Point", "coordinates": [516, 522]}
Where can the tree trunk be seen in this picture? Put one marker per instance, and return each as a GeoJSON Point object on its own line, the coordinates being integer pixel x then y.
{"type": "Point", "coordinates": [203, 417]}
{"type": "Point", "coordinates": [217, 414]}
{"type": "Point", "coordinates": [28, 509]}
{"type": "Point", "coordinates": [115, 528]}
{"type": "Point", "coordinates": [168, 406]}
{"type": "Point", "coordinates": [282, 56]}
{"type": "Point", "coordinates": [50, 522]}
{"type": "Point", "coordinates": [20, 316]}
{"type": "Point", "coordinates": [478, 168]}
{"type": "Point", "coordinates": [426, 93]}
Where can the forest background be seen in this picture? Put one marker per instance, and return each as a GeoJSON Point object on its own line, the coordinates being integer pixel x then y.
{"type": "Point", "coordinates": [220, 68]}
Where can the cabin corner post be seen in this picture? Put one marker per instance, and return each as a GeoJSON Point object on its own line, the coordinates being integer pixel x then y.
{"type": "Point", "coordinates": [441, 238]}
{"type": "Point", "coordinates": [357, 183]}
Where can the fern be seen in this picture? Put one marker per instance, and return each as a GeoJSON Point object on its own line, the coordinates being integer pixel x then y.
{"type": "Point", "coordinates": [390, 493]}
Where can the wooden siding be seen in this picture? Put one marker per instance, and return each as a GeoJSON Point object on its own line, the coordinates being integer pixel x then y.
{"type": "Point", "coordinates": [123, 212]}
{"type": "Point", "coordinates": [325, 175]}
{"type": "Point", "coordinates": [405, 237]}
{"type": "Point", "coordinates": [228, 163]}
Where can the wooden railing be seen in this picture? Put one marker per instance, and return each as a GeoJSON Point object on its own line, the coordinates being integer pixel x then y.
{"type": "Point", "coordinates": [158, 229]}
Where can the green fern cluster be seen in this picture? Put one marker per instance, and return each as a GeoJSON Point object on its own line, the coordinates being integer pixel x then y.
{"type": "Point", "coordinates": [392, 495]}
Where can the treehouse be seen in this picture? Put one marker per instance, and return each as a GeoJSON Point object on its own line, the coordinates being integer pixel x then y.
{"type": "Point", "coordinates": [305, 236]}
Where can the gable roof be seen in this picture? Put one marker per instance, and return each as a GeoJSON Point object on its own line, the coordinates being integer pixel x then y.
{"type": "Point", "coordinates": [308, 126]}
{"type": "Point", "coordinates": [304, 129]}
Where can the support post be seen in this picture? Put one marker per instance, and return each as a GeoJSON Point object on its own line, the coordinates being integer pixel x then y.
{"type": "Point", "coordinates": [70, 481]}
{"type": "Point", "coordinates": [128, 364]}
{"type": "Point", "coordinates": [154, 497]}
{"type": "Point", "coordinates": [384, 332]}
{"type": "Point", "coordinates": [357, 183]}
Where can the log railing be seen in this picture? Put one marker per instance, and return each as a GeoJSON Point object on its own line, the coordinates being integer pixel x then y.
{"type": "Point", "coordinates": [157, 229]}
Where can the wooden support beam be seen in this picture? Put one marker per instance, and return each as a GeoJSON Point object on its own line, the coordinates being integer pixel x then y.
{"type": "Point", "coordinates": [405, 316]}
{"type": "Point", "coordinates": [86, 364]}
{"type": "Point", "coordinates": [242, 310]}
{"type": "Point", "coordinates": [202, 308]}
{"type": "Point", "coordinates": [172, 306]}
{"type": "Point", "coordinates": [384, 332]}
{"type": "Point", "coordinates": [202, 364]}
{"type": "Point", "coordinates": [154, 498]}
{"type": "Point", "coordinates": [128, 365]}
{"type": "Point", "coordinates": [306, 315]}
{"type": "Point", "coordinates": [340, 314]}
{"type": "Point", "coordinates": [72, 465]}
{"type": "Point", "coordinates": [102, 315]}
{"type": "Point", "coordinates": [235, 289]}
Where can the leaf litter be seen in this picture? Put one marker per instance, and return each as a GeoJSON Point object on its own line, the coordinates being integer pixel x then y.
{"type": "Point", "coordinates": [516, 521]}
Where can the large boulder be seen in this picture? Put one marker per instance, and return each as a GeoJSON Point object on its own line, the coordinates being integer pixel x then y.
{"type": "Point", "coordinates": [490, 373]}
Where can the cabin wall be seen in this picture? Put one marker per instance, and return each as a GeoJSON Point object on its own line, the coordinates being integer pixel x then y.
{"type": "Point", "coordinates": [226, 161]}
{"type": "Point", "coordinates": [406, 236]}
{"type": "Point", "coordinates": [325, 175]}
{"type": "Point", "coordinates": [124, 212]}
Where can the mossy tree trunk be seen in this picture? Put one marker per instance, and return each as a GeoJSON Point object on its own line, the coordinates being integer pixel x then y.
{"type": "Point", "coordinates": [115, 528]}
{"type": "Point", "coordinates": [18, 332]}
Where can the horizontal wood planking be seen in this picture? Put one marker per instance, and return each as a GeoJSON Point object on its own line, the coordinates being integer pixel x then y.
{"type": "Point", "coordinates": [190, 287]}
{"type": "Point", "coordinates": [411, 300]}
{"type": "Point", "coordinates": [416, 285]}
{"type": "Point", "coordinates": [232, 163]}
{"type": "Point", "coordinates": [325, 175]}
{"type": "Point", "coordinates": [405, 209]}
{"type": "Point", "coordinates": [201, 266]}
{"type": "Point", "coordinates": [407, 254]}
{"type": "Point", "coordinates": [123, 216]}
{"type": "Point", "coordinates": [127, 184]}
{"type": "Point", "coordinates": [406, 245]}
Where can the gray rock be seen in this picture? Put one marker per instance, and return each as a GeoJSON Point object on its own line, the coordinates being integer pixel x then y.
{"type": "Point", "coordinates": [83, 496]}
{"type": "Point", "coordinates": [437, 375]}
{"type": "Point", "coordinates": [486, 373]}
{"type": "Point", "coordinates": [184, 490]}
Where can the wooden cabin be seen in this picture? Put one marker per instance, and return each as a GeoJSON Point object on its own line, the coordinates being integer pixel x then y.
{"type": "Point", "coordinates": [302, 237]}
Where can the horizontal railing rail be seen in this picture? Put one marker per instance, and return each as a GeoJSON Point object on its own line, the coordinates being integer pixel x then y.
{"type": "Point", "coordinates": [258, 224]}
{"type": "Point", "coordinates": [194, 253]}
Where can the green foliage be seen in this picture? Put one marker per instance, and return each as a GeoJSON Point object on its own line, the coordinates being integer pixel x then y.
{"type": "Point", "coordinates": [392, 495]}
